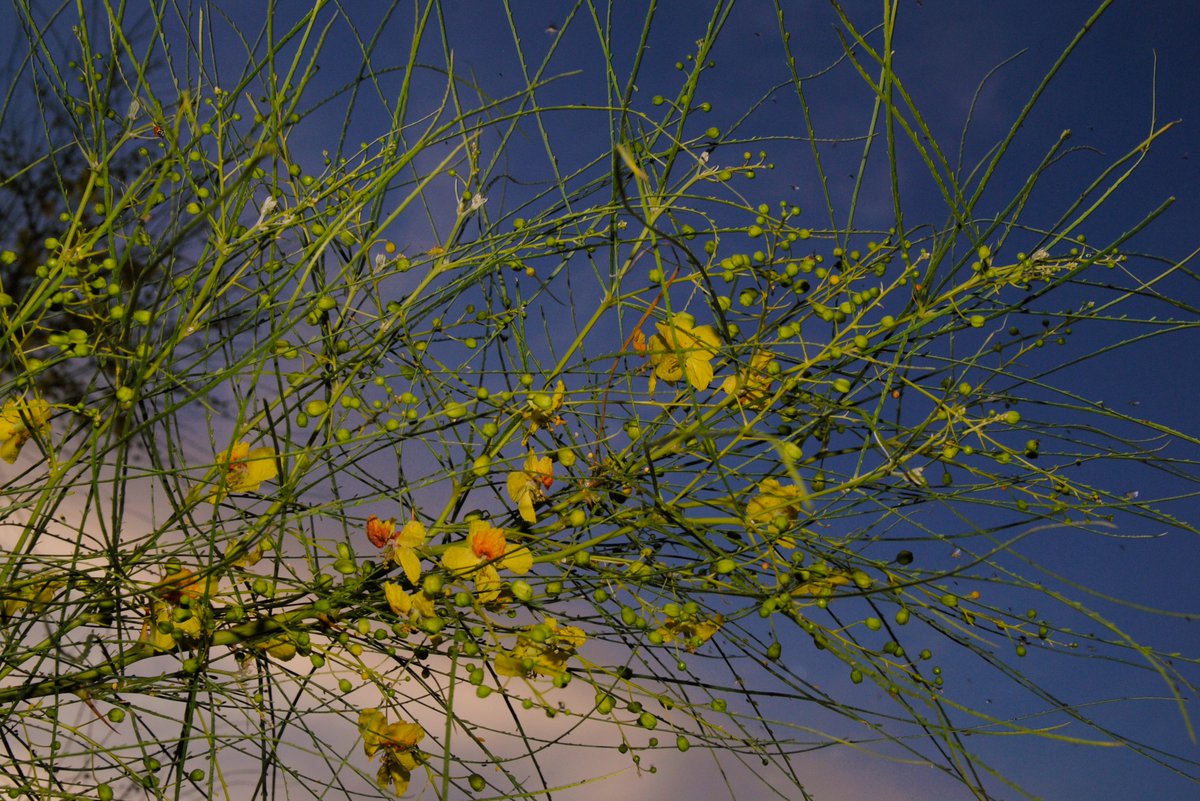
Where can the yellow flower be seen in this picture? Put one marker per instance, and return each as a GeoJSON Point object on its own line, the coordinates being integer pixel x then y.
{"type": "Point", "coordinates": [683, 350]}
{"type": "Point", "coordinates": [245, 469]}
{"type": "Point", "coordinates": [752, 385]}
{"type": "Point", "coordinates": [543, 409]}
{"type": "Point", "coordinates": [163, 628]}
{"type": "Point", "coordinates": [20, 420]}
{"type": "Point", "coordinates": [158, 627]}
{"type": "Point", "coordinates": [185, 584]}
{"type": "Point", "coordinates": [398, 741]}
{"type": "Point", "coordinates": [484, 554]}
{"type": "Point", "coordinates": [280, 646]}
{"type": "Point", "coordinates": [546, 655]}
{"type": "Point", "coordinates": [529, 485]}
{"type": "Point", "coordinates": [240, 554]}
{"type": "Point", "coordinates": [402, 546]}
{"type": "Point", "coordinates": [32, 595]}
{"type": "Point", "coordinates": [820, 580]}
{"type": "Point", "coordinates": [404, 549]}
{"type": "Point", "coordinates": [775, 501]}
{"type": "Point", "coordinates": [406, 605]}
{"type": "Point", "coordinates": [693, 632]}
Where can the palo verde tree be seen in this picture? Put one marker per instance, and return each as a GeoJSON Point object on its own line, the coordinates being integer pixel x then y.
{"type": "Point", "coordinates": [446, 433]}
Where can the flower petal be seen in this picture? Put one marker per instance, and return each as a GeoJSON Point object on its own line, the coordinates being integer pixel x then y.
{"type": "Point", "coordinates": [508, 665]}
{"type": "Point", "coordinates": [402, 734]}
{"type": "Point", "coordinates": [487, 584]}
{"type": "Point", "coordinates": [667, 368]}
{"type": "Point", "coordinates": [413, 535]}
{"type": "Point", "coordinates": [380, 531]}
{"type": "Point", "coordinates": [399, 600]}
{"type": "Point", "coordinates": [423, 604]}
{"type": "Point", "coordinates": [260, 467]}
{"type": "Point", "coordinates": [706, 337]}
{"type": "Point", "coordinates": [410, 562]}
{"type": "Point", "coordinates": [20, 420]}
{"type": "Point", "coordinates": [518, 559]}
{"type": "Point", "coordinates": [518, 485]}
{"type": "Point", "coordinates": [371, 723]}
{"type": "Point", "coordinates": [460, 559]}
{"type": "Point", "coordinates": [525, 507]}
{"type": "Point", "coordinates": [10, 448]}
{"type": "Point", "coordinates": [699, 371]}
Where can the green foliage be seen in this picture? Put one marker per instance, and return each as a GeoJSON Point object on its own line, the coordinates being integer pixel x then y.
{"type": "Point", "coordinates": [367, 486]}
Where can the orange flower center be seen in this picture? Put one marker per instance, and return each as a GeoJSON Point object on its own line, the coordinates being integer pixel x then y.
{"type": "Point", "coordinates": [236, 467]}
{"type": "Point", "coordinates": [488, 543]}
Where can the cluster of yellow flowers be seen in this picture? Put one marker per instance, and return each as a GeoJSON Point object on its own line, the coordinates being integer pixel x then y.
{"type": "Point", "coordinates": [402, 547]}
{"type": "Point", "coordinates": [542, 650]}
{"type": "Point", "coordinates": [683, 351]}
{"type": "Point", "coordinates": [481, 558]}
